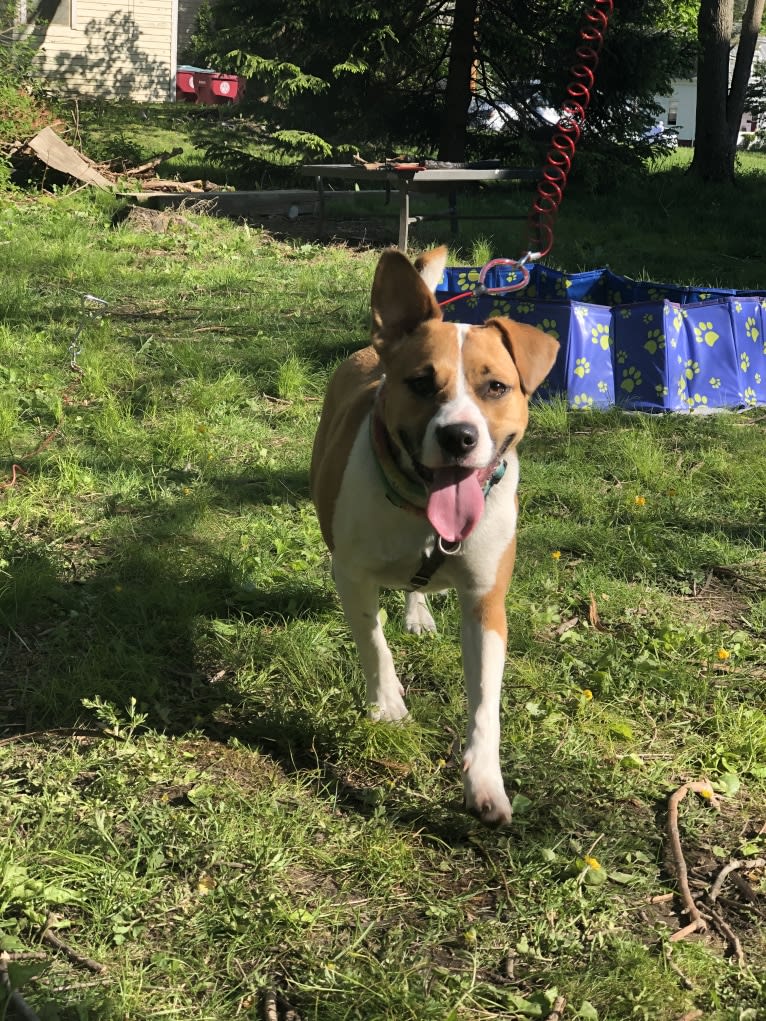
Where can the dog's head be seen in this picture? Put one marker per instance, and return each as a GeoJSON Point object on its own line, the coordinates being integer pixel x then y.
{"type": "Point", "coordinates": [456, 396]}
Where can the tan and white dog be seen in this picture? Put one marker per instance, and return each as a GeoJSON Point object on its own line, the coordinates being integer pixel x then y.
{"type": "Point", "coordinates": [414, 475]}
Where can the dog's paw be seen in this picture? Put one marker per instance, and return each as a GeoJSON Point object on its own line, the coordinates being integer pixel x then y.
{"type": "Point", "coordinates": [417, 616]}
{"type": "Point", "coordinates": [485, 796]}
{"type": "Point", "coordinates": [388, 706]}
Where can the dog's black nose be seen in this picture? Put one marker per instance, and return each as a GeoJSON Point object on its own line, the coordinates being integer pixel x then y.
{"type": "Point", "coordinates": [457, 439]}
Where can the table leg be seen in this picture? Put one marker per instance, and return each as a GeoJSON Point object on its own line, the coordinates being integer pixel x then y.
{"type": "Point", "coordinates": [320, 193]}
{"type": "Point", "coordinates": [452, 199]}
{"type": "Point", "coordinates": [404, 214]}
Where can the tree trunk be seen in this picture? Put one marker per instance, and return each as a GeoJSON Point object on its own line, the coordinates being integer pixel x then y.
{"type": "Point", "coordinates": [457, 95]}
{"type": "Point", "coordinates": [748, 40]}
{"type": "Point", "coordinates": [713, 154]}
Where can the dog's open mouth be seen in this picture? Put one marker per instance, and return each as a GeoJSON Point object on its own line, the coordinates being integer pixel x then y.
{"type": "Point", "coordinates": [455, 501]}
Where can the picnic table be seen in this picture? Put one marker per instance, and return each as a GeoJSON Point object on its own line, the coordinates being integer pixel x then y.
{"type": "Point", "coordinates": [410, 178]}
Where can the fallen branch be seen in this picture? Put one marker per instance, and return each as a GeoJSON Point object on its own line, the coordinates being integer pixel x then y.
{"type": "Point", "coordinates": [52, 940]}
{"type": "Point", "coordinates": [153, 163]}
{"type": "Point", "coordinates": [697, 922]}
{"type": "Point", "coordinates": [668, 955]}
{"type": "Point", "coordinates": [733, 866]}
{"type": "Point", "coordinates": [270, 1006]}
{"type": "Point", "coordinates": [559, 1006]}
{"type": "Point", "coordinates": [729, 934]}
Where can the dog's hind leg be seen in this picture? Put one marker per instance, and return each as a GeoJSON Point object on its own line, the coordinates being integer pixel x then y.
{"type": "Point", "coordinates": [417, 616]}
{"type": "Point", "coordinates": [360, 600]}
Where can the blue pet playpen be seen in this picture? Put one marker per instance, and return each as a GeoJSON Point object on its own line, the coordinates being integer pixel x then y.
{"type": "Point", "coordinates": [642, 346]}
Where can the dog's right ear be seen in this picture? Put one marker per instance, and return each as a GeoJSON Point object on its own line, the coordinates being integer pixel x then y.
{"type": "Point", "coordinates": [402, 297]}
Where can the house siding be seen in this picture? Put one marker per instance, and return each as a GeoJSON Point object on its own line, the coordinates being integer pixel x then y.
{"type": "Point", "coordinates": [113, 49]}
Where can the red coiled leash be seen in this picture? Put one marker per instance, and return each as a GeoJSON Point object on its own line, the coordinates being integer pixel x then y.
{"type": "Point", "coordinates": [558, 160]}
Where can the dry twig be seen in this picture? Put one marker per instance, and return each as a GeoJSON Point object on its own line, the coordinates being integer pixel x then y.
{"type": "Point", "coordinates": [559, 1006]}
{"type": "Point", "coordinates": [52, 940]}
{"type": "Point", "coordinates": [686, 982]}
{"type": "Point", "coordinates": [733, 866]}
{"type": "Point", "coordinates": [697, 923]}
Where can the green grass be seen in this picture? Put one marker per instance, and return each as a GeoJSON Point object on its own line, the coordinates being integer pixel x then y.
{"type": "Point", "coordinates": [188, 782]}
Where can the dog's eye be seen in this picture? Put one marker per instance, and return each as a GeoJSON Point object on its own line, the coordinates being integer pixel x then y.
{"type": "Point", "coordinates": [422, 386]}
{"type": "Point", "coordinates": [497, 389]}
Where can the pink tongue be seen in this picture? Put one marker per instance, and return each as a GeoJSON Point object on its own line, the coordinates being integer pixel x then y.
{"type": "Point", "coordinates": [455, 503]}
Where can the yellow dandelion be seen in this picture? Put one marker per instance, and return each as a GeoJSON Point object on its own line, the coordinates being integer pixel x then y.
{"type": "Point", "coordinates": [587, 694]}
{"type": "Point", "coordinates": [186, 490]}
{"type": "Point", "coordinates": [723, 654]}
{"type": "Point", "coordinates": [706, 792]}
{"type": "Point", "coordinates": [591, 862]}
{"type": "Point", "coordinates": [556, 554]}
{"type": "Point", "coordinates": [639, 501]}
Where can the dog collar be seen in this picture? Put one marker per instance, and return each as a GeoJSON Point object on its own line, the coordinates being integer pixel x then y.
{"type": "Point", "coordinates": [402, 490]}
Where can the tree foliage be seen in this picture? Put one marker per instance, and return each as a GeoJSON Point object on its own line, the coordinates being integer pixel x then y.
{"type": "Point", "coordinates": [755, 100]}
{"type": "Point", "coordinates": [388, 77]}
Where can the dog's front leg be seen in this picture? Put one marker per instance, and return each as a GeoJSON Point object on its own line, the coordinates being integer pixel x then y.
{"type": "Point", "coordinates": [360, 601]}
{"type": "Point", "coordinates": [483, 641]}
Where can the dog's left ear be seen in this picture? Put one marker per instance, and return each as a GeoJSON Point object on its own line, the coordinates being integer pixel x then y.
{"type": "Point", "coordinates": [402, 294]}
{"type": "Point", "coordinates": [533, 351]}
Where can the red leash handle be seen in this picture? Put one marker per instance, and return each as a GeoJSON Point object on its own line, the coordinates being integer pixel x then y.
{"type": "Point", "coordinates": [558, 161]}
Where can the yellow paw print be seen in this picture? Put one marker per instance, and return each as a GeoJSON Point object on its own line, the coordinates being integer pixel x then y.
{"type": "Point", "coordinates": [549, 326]}
{"type": "Point", "coordinates": [691, 369]}
{"type": "Point", "coordinates": [744, 362]}
{"type": "Point", "coordinates": [660, 390]}
{"type": "Point", "coordinates": [655, 341]}
{"type": "Point", "coordinates": [500, 308]}
{"type": "Point", "coordinates": [603, 387]}
{"type": "Point", "coordinates": [631, 378]}
{"type": "Point", "coordinates": [751, 329]}
{"type": "Point", "coordinates": [600, 335]}
{"type": "Point", "coordinates": [583, 402]}
{"type": "Point", "coordinates": [705, 334]}
{"type": "Point", "coordinates": [715, 382]}
{"type": "Point", "coordinates": [582, 367]}
{"type": "Point", "coordinates": [467, 281]}
{"type": "Point", "coordinates": [750, 396]}
{"type": "Point", "coordinates": [648, 318]}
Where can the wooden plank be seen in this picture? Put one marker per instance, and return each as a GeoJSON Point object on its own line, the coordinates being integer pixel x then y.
{"type": "Point", "coordinates": [55, 152]}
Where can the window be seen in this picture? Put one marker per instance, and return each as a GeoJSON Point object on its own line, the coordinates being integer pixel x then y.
{"type": "Point", "coordinates": [673, 113]}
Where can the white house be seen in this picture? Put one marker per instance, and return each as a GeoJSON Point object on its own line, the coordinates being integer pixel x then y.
{"type": "Point", "coordinates": [679, 109]}
{"type": "Point", "coordinates": [109, 48]}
